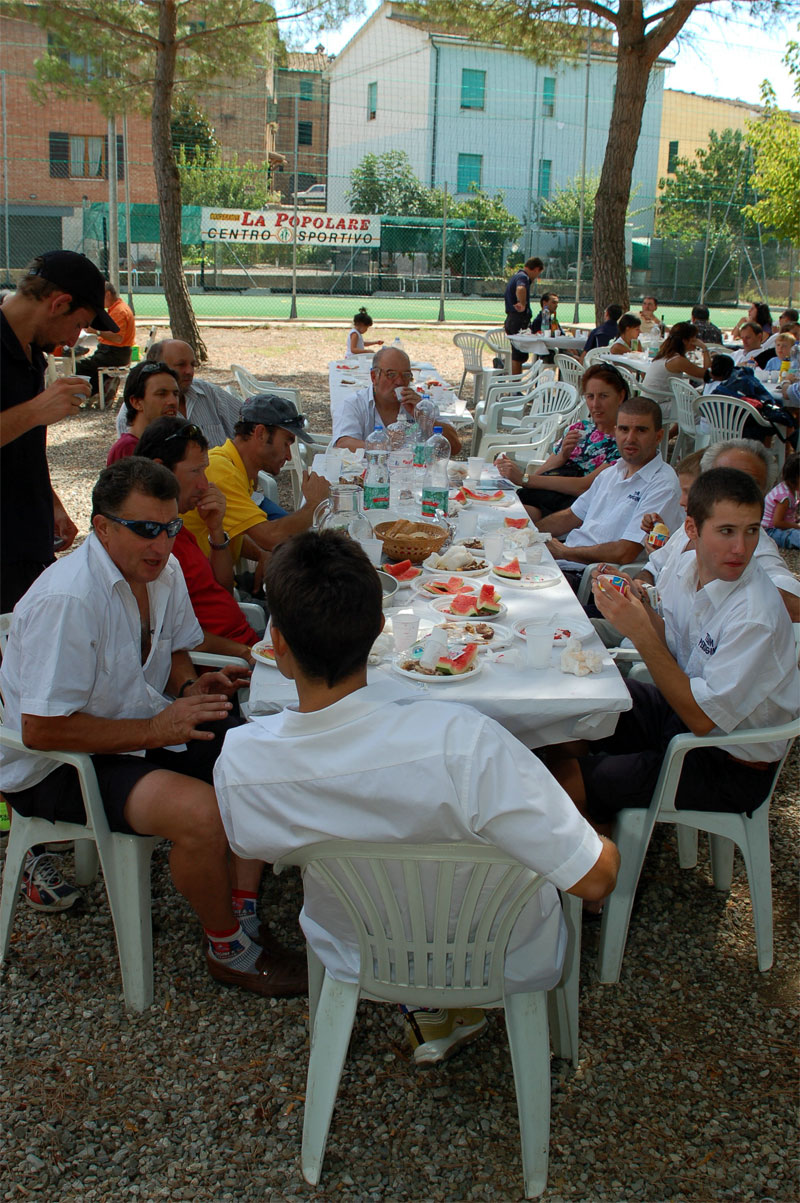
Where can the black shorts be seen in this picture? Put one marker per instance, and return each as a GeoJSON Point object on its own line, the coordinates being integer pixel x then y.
{"type": "Point", "coordinates": [516, 323]}
{"type": "Point", "coordinates": [625, 770]}
{"type": "Point", "coordinates": [550, 501]}
{"type": "Point", "coordinates": [58, 796]}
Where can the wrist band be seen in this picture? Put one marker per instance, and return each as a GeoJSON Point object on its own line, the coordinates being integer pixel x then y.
{"type": "Point", "coordinates": [186, 684]}
{"type": "Point", "coordinates": [219, 546]}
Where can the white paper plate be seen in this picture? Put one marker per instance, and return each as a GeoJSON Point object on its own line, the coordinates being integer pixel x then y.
{"type": "Point", "coordinates": [579, 628]}
{"type": "Point", "coordinates": [441, 604]}
{"type": "Point", "coordinates": [422, 679]}
{"type": "Point", "coordinates": [428, 566]}
{"type": "Point", "coordinates": [536, 578]}
{"type": "Point", "coordinates": [503, 502]}
{"type": "Point", "coordinates": [432, 578]}
{"type": "Point", "coordinates": [259, 650]}
{"type": "Point", "coordinates": [468, 539]}
{"type": "Point", "coordinates": [456, 629]}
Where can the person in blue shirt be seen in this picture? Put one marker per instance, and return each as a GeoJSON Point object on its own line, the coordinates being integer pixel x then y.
{"type": "Point", "coordinates": [518, 306]}
{"type": "Point", "coordinates": [607, 332]}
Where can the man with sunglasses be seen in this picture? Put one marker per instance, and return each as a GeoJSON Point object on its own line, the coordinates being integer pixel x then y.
{"type": "Point", "coordinates": [98, 662]}
{"type": "Point", "coordinates": [379, 404]}
{"type": "Point", "coordinates": [151, 392]}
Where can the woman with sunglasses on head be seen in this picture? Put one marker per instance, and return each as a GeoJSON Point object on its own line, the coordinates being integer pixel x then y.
{"type": "Point", "coordinates": [151, 391]}
{"type": "Point", "coordinates": [585, 450]}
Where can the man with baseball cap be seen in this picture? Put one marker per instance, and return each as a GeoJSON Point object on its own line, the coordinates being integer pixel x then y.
{"type": "Point", "coordinates": [261, 442]}
{"type": "Point", "coordinates": [60, 294]}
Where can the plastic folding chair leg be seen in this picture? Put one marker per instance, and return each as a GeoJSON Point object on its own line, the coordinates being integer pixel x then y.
{"type": "Point", "coordinates": [632, 836]}
{"type": "Point", "coordinates": [562, 1002]}
{"type": "Point", "coordinates": [316, 976]}
{"type": "Point", "coordinates": [526, 1023]}
{"type": "Point", "coordinates": [87, 862]}
{"type": "Point", "coordinates": [755, 850]}
{"type": "Point", "coordinates": [128, 887]}
{"type": "Point", "coordinates": [461, 385]}
{"type": "Point", "coordinates": [333, 1024]}
{"type": "Point", "coordinates": [687, 846]}
{"type": "Point", "coordinates": [12, 878]}
{"type": "Point", "coordinates": [721, 850]}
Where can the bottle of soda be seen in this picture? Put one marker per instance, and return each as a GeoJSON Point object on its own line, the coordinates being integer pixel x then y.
{"type": "Point", "coordinates": [376, 482]}
{"type": "Point", "coordinates": [435, 487]}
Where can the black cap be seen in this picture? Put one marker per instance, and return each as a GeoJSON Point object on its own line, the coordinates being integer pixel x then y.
{"type": "Point", "coordinates": [78, 276]}
{"type": "Point", "coordinates": [270, 410]}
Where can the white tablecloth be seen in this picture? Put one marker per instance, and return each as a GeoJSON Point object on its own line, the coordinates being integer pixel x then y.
{"type": "Point", "coordinates": [542, 346]}
{"type": "Point", "coordinates": [634, 361]}
{"type": "Point", "coordinates": [539, 706]}
{"type": "Point", "coordinates": [344, 380]}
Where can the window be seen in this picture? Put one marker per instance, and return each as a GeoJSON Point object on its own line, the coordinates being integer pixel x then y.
{"type": "Point", "coordinates": [473, 88]}
{"type": "Point", "coordinates": [372, 101]}
{"type": "Point", "coordinates": [549, 97]}
{"type": "Point", "coordinates": [470, 168]}
{"type": "Point", "coordinates": [59, 156]}
{"type": "Point", "coordinates": [545, 171]}
{"type": "Point", "coordinates": [304, 133]}
{"type": "Point", "coordinates": [306, 88]}
{"type": "Point", "coordinates": [672, 158]}
{"type": "Point", "coordinates": [83, 157]}
{"type": "Point", "coordinates": [83, 64]}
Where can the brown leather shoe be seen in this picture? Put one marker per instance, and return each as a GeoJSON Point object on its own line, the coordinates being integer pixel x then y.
{"type": "Point", "coordinates": [277, 951]}
{"type": "Point", "coordinates": [273, 977]}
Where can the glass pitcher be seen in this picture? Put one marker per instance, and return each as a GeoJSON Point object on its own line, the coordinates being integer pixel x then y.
{"type": "Point", "coordinates": [343, 511]}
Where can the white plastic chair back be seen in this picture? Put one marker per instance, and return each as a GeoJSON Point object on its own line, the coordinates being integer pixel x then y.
{"type": "Point", "coordinates": [630, 379]}
{"type": "Point", "coordinates": [687, 402]}
{"type": "Point", "coordinates": [498, 340]}
{"type": "Point", "coordinates": [5, 627]}
{"type": "Point", "coordinates": [532, 442]}
{"type": "Point", "coordinates": [432, 924]}
{"type": "Point", "coordinates": [473, 347]}
{"type": "Point", "coordinates": [569, 369]}
{"type": "Point", "coordinates": [726, 416]}
{"type": "Point", "coordinates": [247, 383]}
{"type": "Point", "coordinates": [596, 355]}
{"type": "Point", "coordinates": [554, 397]}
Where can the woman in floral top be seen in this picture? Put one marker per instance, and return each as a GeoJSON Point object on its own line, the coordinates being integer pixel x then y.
{"type": "Point", "coordinates": [586, 449]}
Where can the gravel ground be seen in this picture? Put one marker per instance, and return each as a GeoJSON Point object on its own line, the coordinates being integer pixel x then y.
{"type": "Point", "coordinates": [687, 1083]}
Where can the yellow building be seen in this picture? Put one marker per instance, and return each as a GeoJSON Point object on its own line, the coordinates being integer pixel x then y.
{"type": "Point", "coordinates": [687, 119]}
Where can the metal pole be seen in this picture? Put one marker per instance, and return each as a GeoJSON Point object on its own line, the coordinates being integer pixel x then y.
{"type": "Point", "coordinates": [582, 207]}
{"type": "Point", "coordinates": [293, 310]}
{"type": "Point", "coordinates": [444, 253]}
{"type": "Point", "coordinates": [5, 179]}
{"type": "Point", "coordinates": [113, 205]}
{"type": "Point", "coordinates": [705, 255]}
{"type": "Point", "coordinates": [127, 172]}
{"type": "Point", "coordinates": [791, 273]}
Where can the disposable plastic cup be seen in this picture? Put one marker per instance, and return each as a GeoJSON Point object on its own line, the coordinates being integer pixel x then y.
{"type": "Point", "coordinates": [538, 642]}
{"type": "Point", "coordinates": [333, 465]}
{"type": "Point", "coordinates": [405, 627]}
{"type": "Point", "coordinates": [467, 524]}
{"type": "Point", "coordinates": [533, 554]}
{"type": "Point", "coordinates": [475, 465]}
{"type": "Point", "coordinates": [459, 406]}
{"type": "Point", "coordinates": [493, 545]}
{"type": "Point", "coordinates": [374, 550]}
{"type": "Point", "coordinates": [398, 392]}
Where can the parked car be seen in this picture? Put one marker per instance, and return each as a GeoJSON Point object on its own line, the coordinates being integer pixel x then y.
{"type": "Point", "coordinates": [315, 195]}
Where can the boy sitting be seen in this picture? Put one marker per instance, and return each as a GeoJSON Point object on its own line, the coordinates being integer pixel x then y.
{"type": "Point", "coordinates": [376, 762]}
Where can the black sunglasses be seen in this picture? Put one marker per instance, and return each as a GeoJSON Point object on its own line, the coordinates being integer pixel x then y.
{"type": "Point", "coordinates": [146, 529]}
{"type": "Point", "coordinates": [189, 431]}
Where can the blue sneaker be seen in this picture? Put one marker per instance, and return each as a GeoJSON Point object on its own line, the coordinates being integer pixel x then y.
{"type": "Point", "coordinates": [44, 888]}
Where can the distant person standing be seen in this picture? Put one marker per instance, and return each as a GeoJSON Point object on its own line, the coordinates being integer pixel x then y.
{"type": "Point", "coordinates": [518, 306]}
{"type": "Point", "coordinates": [113, 349]}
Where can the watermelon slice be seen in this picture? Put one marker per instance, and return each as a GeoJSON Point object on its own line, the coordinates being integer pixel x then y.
{"type": "Point", "coordinates": [459, 496]}
{"type": "Point", "coordinates": [512, 570]}
{"type": "Point", "coordinates": [454, 666]}
{"type": "Point", "coordinates": [477, 496]}
{"type": "Point", "coordinates": [488, 600]}
{"type": "Point", "coordinates": [516, 523]}
{"type": "Point", "coordinates": [404, 571]}
{"type": "Point", "coordinates": [453, 584]}
{"type": "Point", "coordinates": [464, 605]}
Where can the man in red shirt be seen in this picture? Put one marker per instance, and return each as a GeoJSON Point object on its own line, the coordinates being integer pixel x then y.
{"type": "Point", "coordinates": [151, 391]}
{"type": "Point", "coordinates": [113, 350]}
{"type": "Point", "coordinates": [182, 447]}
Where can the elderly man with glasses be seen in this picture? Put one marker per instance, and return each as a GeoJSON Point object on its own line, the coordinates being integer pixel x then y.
{"type": "Point", "coordinates": [98, 661]}
{"type": "Point", "coordinates": [379, 403]}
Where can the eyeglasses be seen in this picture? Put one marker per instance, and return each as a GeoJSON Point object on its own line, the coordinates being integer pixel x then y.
{"type": "Point", "coordinates": [146, 529]}
{"type": "Point", "coordinates": [189, 431]}
{"type": "Point", "coordinates": [391, 374]}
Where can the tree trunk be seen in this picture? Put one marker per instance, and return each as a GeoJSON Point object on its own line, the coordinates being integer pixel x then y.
{"type": "Point", "coordinates": [181, 314]}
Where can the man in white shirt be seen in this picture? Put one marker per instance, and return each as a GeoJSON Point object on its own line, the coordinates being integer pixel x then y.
{"type": "Point", "coordinates": [377, 762]}
{"type": "Point", "coordinates": [723, 659]}
{"type": "Point", "coordinates": [751, 336]}
{"type": "Point", "coordinates": [605, 522]}
{"type": "Point", "coordinates": [378, 403]}
{"type": "Point", "coordinates": [97, 661]}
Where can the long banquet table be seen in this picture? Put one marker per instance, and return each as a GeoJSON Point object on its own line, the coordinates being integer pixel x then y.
{"type": "Point", "coordinates": [344, 379]}
{"type": "Point", "coordinates": [539, 706]}
{"type": "Point", "coordinates": [536, 345]}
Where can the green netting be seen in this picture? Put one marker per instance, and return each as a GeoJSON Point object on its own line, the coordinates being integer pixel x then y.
{"type": "Point", "coordinates": [145, 224]}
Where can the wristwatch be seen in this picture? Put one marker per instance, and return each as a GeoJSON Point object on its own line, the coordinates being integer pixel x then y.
{"type": "Point", "coordinates": [185, 686]}
{"type": "Point", "coordinates": [525, 477]}
{"type": "Point", "coordinates": [219, 546]}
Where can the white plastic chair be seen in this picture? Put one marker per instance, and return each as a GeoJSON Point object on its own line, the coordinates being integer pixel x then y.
{"type": "Point", "coordinates": [597, 355]}
{"type": "Point", "coordinates": [248, 384]}
{"type": "Point", "coordinates": [423, 927]}
{"type": "Point", "coordinates": [633, 828]}
{"type": "Point", "coordinates": [498, 386]}
{"type": "Point", "coordinates": [473, 347]}
{"type": "Point", "coordinates": [687, 401]}
{"type": "Point", "coordinates": [726, 416]}
{"type": "Point", "coordinates": [630, 379]}
{"type": "Point", "coordinates": [552, 397]}
{"type": "Point", "coordinates": [531, 442]}
{"type": "Point", "coordinates": [569, 369]}
{"type": "Point", "coordinates": [500, 343]}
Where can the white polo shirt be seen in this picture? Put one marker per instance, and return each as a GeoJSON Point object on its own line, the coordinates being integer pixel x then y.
{"type": "Point", "coordinates": [734, 640]}
{"type": "Point", "coordinates": [613, 506]}
{"type": "Point", "coordinates": [356, 416]}
{"type": "Point", "coordinates": [382, 766]}
{"type": "Point", "coordinates": [75, 646]}
{"type": "Point", "coordinates": [766, 554]}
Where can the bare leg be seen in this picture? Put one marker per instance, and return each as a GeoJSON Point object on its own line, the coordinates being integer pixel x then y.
{"type": "Point", "coordinates": [533, 511]}
{"type": "Point", "coordinates": [246, 874]}
{"type": "Point", "coordinates": [516, 366]}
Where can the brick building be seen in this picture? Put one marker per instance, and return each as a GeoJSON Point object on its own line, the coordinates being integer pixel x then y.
{"type": "Point", "coordinates": [303, 77]}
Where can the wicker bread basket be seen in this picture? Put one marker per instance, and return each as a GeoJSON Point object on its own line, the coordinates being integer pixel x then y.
{"type": "Point", "coordinates": [408, 545]}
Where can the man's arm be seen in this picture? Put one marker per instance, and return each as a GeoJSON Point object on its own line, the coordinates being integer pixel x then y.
{"type": "Point", "coordinates": [219, 645]}
{"type": "Point", "coordinates": [598, 883]}
{"type": "Point", "coordinates": [560, 523]}
{"type": "Point", "coordinates": [269, 535]}
{"type": "Point", "coordinates": [63, 525]}
{"type": "Point", "coordinates": [522, 298]}
{"type": "Point", "coordinates": [54, 403]}
{"type": "Point", "coordinates": [211, 508]}
{"type": "Point", "coordinates": [620, 551]}
{"type": "Point", "coordinates": [175, 724]}
{"type": "Point", "coordinates": [792, 603]}
{"type": "Point", "coordinates": [349, 444]}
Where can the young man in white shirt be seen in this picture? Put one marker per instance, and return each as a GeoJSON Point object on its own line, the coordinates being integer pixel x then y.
{"type": "Point", "coordinates": [378, 763]}
{"type": "Point", "coordinates": [97, 661]}
{"type": "Point", "coordinates": [722, 659]}
{"type": "Point", "coordinates": [605, 522]}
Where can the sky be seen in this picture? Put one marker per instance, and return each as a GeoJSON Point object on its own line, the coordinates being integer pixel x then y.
{"type": "Point", "coordinates": [712, 57]}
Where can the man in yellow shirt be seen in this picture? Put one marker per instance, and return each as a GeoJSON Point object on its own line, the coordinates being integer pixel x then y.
{"type": "Point", "coordinates": [262, 440]}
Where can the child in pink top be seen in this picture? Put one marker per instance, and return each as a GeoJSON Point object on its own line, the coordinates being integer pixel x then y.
{"type": "Point", "coordinates": [781, 505]}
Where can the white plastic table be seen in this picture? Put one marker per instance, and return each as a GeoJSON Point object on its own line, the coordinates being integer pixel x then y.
{"type": "Point", "coordinates": [344, 380]}
{"type": "Point", "coordinates": [535, 344]}
{"type": "Point", "coordinates": [539, 706]}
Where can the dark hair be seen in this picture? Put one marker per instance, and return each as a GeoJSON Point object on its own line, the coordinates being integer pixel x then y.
{"type": "Point", "coordinates": [615, 313]}
{"type": "Point", "coordinates": [675, 342]}
{"type": "Point", "coordinates": [690, 464]}
{"type": "Point", "coordinates": [607, 372]}
{"type": "Point", "coordinates": [763, 315]}
{"type": "Point", "coordinates": [132, 475]}
{"type": "Point", "coordinates": [532, 264]}
{"type": "Point", "coordinates": [628, 321]}
{"type": "Point", "coordinates": [722, 484]}
{"type": "Point", "coordinates": [721, 367]}
{"type": "Point", "coordinates": [754, 326]}
{"type": "Point", "coordinates": [37, 288]}
{"type": "Point", "coordinates": [165, 440]}
{"type": "Point", "coordinates": [700, 312]}
{"type": "Point", "coordinates": [136, 383]}
{"type": "Point", "coordinates": [362, 318]}
{"type": "Point", "coordinates": [643, 407]}
{"type": "Point", "coordinates": [651, 298]}
{"type": "Point", "coordinates": [325, 598]}
{"type": "Point", "coordinates": [790, 473]}
{"type": "Point", "coordinates": [792, 315]}
{"type": "Point", "coordinates": [545, 297]}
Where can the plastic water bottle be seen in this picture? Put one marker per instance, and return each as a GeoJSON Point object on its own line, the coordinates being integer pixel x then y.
{"type": "Point", "coordinates": [426, 415]}
{"type": "Point", "coordinates": [377, 439]}
{"type": "Point", "coordinates": [376, 482]}
{"type": "Point", "coordinates": [435, 487]}
{"type": "Point", "coordinates": [396, 433]}
{"type": "Point", "coordinates": [545, 322]}
{"type": "Point", "coordinates": [404, 500]}
{"type": "Point", "coordinates": [397, 345]}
